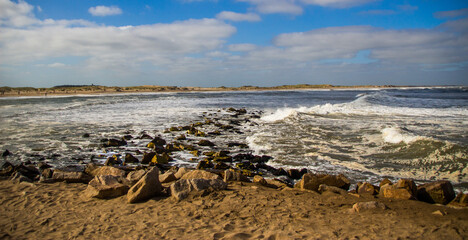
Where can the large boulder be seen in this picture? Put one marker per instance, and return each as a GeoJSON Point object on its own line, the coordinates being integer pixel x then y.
{"type": "Point", "coordinates": [129, 158]}
{"type": "Point", "coordinates": [147, 157]}
{"type": "Point", "coordinates": [108, 170]}
{"type": "Point", "coordinates": [436, 192]}
{"type": "Point", "coordinates": [312, 181]}
{"type": "Point", "coordinates": [147, 187]}
{"type": "Point", "coordinates": [230, 175]}
{"type": "Point", "coordinates": [182, 188]}
{"type": "Point", "coordinates": [391, 191]}
{"type": "Point", "coordinates": [71, 176]}
{"type": "Point", "coordinates": [200, 174]}
{"type": "Point", "coordinates": [105, 187]}
{"type": "Point", "coordinates": [407, 184]}
{"type": "Point", "coordinates": [181, 172]}
{"type": "Point", "coordinates": [367, 188]}
{"type": "Point", "coordinates": [135, 176]}
{"type": "Point", "coordinates": [167, 177]}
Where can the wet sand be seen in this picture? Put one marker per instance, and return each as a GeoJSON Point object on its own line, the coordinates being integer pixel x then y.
{"type": "Point", "coordinates": [243, 211]}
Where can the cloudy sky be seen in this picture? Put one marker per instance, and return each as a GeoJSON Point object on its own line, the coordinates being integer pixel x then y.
{"type": "Point", "coordinates": [44, 43]}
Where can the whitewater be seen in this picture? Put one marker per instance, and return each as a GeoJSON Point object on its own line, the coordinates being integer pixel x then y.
{"type": "Point", "coordinates": [366, 134]}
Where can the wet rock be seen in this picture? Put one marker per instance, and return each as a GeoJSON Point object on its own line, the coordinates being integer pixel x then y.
{"type": "Point", "coordinates": [114, 160]}
{"type": "Point", "coordinates": [181, 172]}
{"type": "Point", "coordinates": [167, 177]}
{"type": "Point", "coordinates": [114, 143]}
{"type": "Point", "coordinates": [28, 170]}
{"type": "Point", "coordinates": [127, 137]}
{"type": "Point", "coordinates": [367, 188]}
{"type": "Point", "coordinates": [129, 158]}
{"type": "Point", "coordinates": [205, 142]}
{"type": "Point", "coordinates": [105, 187]}
{"type": "Point", "coordinates": [181, 137]}
{"type": "Point", "coordinates": [43, 166]}
{"type": "Point", "coordinates": [461, 200]}
{"type": "Point", "coordinates": [7, 169]}
{"type": "Point", "coordinates": [294, 173]}
{"type": "Point", "coordinates": [182, 188]}
{"type": "Point", "coordinates": [237, 144]}
{"type": "Point", "coordinates": [221, 166]}
{"type": "Point", "coordinates": [147, 187]}
{"type": "Point", "coordinates": [312, 181]}
{"type": "Point", "coordinates": [147, 157]}
{"type": "Point", "coordinates": [6, 153]}
{"type": "Point", "coordinates": [174, 129]}
{"type": "Point", "coordinates": [365, 206]}
{"type": "Point", "coordinates": [135, 176]}
{"type": "Point", "coordinates": [436, 192]}
{"type": "Point", "coordinates": [230, 175]}
{"type": "Point", "coordinates": [71, 176]}
{"type": "Point", "coordinates": [200, 174]}
{"type": "Point", "coordinates": [86, 135]}
{"type": "Point", "coordinates": [222, 159]}
{"type": "Point", "coordinates": [160, 159]}
{"type": "Point", "coordinates": [384, 182]}
{"type": "Point", "coordinates": [204, 164]}
{"type": "Point", "coordinates": [325, 188]}
{"type": "Point", "coordinates": [391, 191]}
{"type": "Point", "coordinates": [158, 141]}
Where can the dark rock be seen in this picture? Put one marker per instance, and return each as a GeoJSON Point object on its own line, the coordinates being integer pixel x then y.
{"type": "Point", "coordinates": [17, 177]}
{"type": "Point", "coordinates": [294, 174]}
{"type": "Point", "coordinates": [313, 181]}
{"type": "Point", "coordinates": [182, 188]}
{"type": "Point", "coordinates": [160, 159]}
{"type": "Point", "coordinates": [86, 135]}
{"type": "Point", "coordinates": [114, 160]}
{"type": "Point", "coordinates": [7, 169]}
{"type": "Point", "coordinates": [181, 137]}
{"type": "Point", "coordinates": [221, 166]}
{"type": "Point", "coordinates": [28, 170]}
{"type": "Point", "coordinates": [147, 187]}
{"type": "Point", "coordinates": [436, 192]}
{"type": "Point", "coordinates": [115, 143]}
{"type": "Point", "coordinates": [145, 136]}
{"type": "Point", "coordinates": [158, 141]}
{"type": "Point", "coordinates": [127, 137]}
{"type": "Point", "coordinates": [6, 153]}
{"type": "Point", "coordinates": [237, 144]}
{"type": "Point", "coordinates": [205, 142]}
{"type": "Point", "coordinates": [204, 164]}
{"type": "Point", "coordinates": [43, 166]}
{"type": "Point", "coordinates": [147, 157]}
{"type": "Point", "coordinates": [230, 175]}
{"type": "Point", "coordinates": [129, 158]}
{"type": "Point", "coordinates": [105, 187]}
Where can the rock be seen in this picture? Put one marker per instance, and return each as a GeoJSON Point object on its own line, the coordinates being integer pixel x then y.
{"type": "Point", "coordinates": [147, 187]}
{"type": "Point", "coordinates": [105, 187]}
{"type": "Point", "coordinates": [28, 170]}
{"type": "Point", "coordinates": [325, 188]}
{"type": "Point", "coordinates": [181, 137]}
{"type": "Point", "coordinates": [7, 169]}
{"type": "Point", "coordinates": [367, 188]}
{"type": "Point", "coordinates": [204, 164]}
{"type": "Point", "coordinates": [221, 166]}
{"type": "Point", "coordinates": [47, 173]}
{"type": "Point", "coordinates": [17, 177]}
{"type": "Point", "coordinates": [108, 170]}
{"type": "Point", "coordinates": [134, 176]}
{"type": "Point", "coordinates": [182, 188]}
{"type": "Point", "coordinates": [230, 175]}
{"type": "Point", "coordinates": [384, 182]}
{"type": "Point", "coordinates": [407, 184]}
{"type": "Point", "coordinates": [200, 174]}
{"type": "Point", "coordinates": [129, 158]}
{"type": "Point", "coordinates": [221, 154]}
{"type": "Point", "coordinates": [436, 192]}
{"type": "Point", "coordinates": [461, 200]}
{"type": "Point", "coordinates": [43, 166]}
{"type": "Point", "coordinates": [181, 172]}
{"type": "Point", "coordinates": [440, 213]}
{"type": "Point", "coordinates": [161, 159]}
{"type": "Point", "coordinates": [115, 143]}
{"type": "Point", "coordinates": [71, 176]}
{"type": "Point", "coordinates": [373, 205]}
{"type": "Point", "coordinates": [86, 135]}
{"type": "Point", "coordinates": [114, 160]}
{"type": "Point", "coordinates": [259, 179]}
{"type": "Point", "coordinates": [204, 142]}
{"type": "Point", "coordinates": [390, 191]}
{"type": "Point", "coordinates": [158, 141]}
{"type": "Point", "coordinates": [6, 153]}
{"type": "Point", "coordinates": [312, 181]}
{"type": "Point", "coordinates": [147, 157]}
{"type": "Point", "coordinates": [274, 183]}
{"type": "Point", "coordinates": [294, 173]}
{"type": "Point", "coordinates": [167, 177]}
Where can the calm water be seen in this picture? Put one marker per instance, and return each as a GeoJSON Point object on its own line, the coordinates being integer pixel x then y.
{"type": "Point", "coordinates": [365, 134]}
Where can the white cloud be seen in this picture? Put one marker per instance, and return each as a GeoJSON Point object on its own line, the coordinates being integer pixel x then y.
{"type": "Point", "coordinates": [56, 65]}
{"type": "Point", "coordinates": [237, 17]}
{"type": "Point", "coordinates": [276, 6]}
{"type": "Point", "coordinates": [102, 11]}
{"type": "Point", "coordinates": [452, 14]}
{"type": "Point", "coordinates": [243, 47]}
{"type": "Point", "coordinates": [337, 3]}
{"type": "Point", "coordinates": [16, 14]}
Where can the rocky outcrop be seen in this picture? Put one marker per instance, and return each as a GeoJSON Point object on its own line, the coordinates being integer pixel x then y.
{"type": "Point", "coordinates": [436, 192]}
{"type": "Point", "coordinates": [147, 187]}
{"type": "Point", "coordinates": [200, 174]}
{"type": "Point", "coordinates": [105, 187]}
{"type": "Point", "coordinates": [182, 188]}
{"type": "Point", "coordinates": [312, 181]}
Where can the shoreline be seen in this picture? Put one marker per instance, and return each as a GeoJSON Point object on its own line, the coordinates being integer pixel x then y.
{"type": "Point", "coordinates": [6, 92]}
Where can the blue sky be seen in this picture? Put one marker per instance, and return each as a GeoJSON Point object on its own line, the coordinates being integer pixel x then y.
{"type": "Point", "coordinates": [44, 43]}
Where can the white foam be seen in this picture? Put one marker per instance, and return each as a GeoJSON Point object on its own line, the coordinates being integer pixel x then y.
{"type": "Point", "coordinates": [252, 141]}
{"type": "Point", "coordinates": [394, 135]}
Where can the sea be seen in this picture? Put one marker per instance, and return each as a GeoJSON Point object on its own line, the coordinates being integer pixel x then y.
{"type": "Point", "coordinates": [366, 134]}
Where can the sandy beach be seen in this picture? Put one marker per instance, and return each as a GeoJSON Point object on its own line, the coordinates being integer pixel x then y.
{"type": "Point", "coordinates": [243, 211]}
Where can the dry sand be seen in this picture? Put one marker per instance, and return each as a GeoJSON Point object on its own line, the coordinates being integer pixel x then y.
{"type": "Point", "coordinates": [244, 211]}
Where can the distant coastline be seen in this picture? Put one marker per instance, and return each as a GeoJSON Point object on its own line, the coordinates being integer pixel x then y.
{"type": "Point", "coordinates": [96, 89]}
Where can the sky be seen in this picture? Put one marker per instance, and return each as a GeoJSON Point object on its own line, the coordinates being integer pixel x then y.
{"type": "Point", "coordinates": [232, 43]}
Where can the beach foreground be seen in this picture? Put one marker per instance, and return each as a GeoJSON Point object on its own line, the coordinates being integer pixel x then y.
{"type": "Point", "coordinates": [243, 211]}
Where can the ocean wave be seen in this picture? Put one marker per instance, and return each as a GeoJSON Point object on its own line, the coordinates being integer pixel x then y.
{"type": "Point", "coordinates": [395, 135]}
